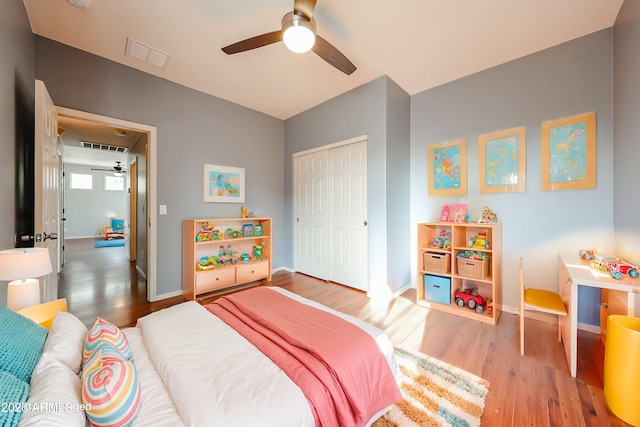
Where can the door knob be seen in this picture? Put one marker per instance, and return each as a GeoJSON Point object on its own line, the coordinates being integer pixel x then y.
{"type": "Point", "coordinates": [52, 236]}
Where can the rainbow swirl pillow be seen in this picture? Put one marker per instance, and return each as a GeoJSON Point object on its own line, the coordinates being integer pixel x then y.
{"type": "Point", "coordinates": [110, 389]}
{"type": "Point", "coordinates": [104, 332]}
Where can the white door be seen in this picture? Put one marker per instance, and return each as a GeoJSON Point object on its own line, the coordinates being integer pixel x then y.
{"type": "Point", "coordinates": [311, 214]}
{"type": "Point", "coordinates": [347, 219]}
{"type": "Point", "coordinates": [46, 223]}
{"type": "Point", "coordinates": [330, 211]}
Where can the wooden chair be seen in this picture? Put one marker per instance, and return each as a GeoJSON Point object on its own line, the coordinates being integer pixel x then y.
{"type": "Point", "coordinates": [538, 300]}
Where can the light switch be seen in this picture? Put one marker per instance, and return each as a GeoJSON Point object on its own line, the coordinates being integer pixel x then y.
{"type": "Point", "coordinates": [163, 209]}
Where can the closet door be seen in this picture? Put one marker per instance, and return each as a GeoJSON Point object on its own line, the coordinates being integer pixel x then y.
{"type": "Point", "coordinates": [311, 243]}
{"type": "Point", "coordinates": [330, 214]}
{"type": "Point", "coordinates": [348, 215]}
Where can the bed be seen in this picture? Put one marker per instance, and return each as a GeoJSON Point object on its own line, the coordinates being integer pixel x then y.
{"type": "Point", "coordinates": [191, 368]}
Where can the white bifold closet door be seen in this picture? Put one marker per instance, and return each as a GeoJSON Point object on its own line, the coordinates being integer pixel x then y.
{"type": "Point", "coordinates": [330, 213]}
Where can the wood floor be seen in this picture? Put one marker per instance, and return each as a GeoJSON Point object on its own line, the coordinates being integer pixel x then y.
{"type": "Point", "coordinates": [531, 390]}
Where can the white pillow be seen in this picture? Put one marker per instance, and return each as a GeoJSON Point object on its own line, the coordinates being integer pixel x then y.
{"type": "Point", "coordinates": [66, 340]}
{"type": "Point", "coordinates": [55, 397]}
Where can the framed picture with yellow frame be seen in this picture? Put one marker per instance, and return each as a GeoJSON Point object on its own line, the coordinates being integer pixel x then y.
{"type": "Point", "coordinates": [448, 168]}
{"type": "Point", "coordinates": [569, 153]}
{"type": "Point", "coordinates": [502, 155]}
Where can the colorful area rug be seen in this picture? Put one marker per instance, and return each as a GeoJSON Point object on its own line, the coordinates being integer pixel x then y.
{"type": "Point", "coordinates": [108, 243]}
{"type": "Point", "coordinates": [435, 394]}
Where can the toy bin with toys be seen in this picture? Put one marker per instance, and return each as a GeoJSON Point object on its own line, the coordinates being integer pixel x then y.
{"type": "Point", "coordinates": [473, 264]}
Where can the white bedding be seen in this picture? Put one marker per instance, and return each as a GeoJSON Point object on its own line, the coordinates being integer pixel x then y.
{"type": "Point", "coordinates": [156, 406]}
{"type": "Point", "coordinates": [214, 375]}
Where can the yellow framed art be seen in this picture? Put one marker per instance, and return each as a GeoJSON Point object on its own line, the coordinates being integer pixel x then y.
{"type": "Point", "coordinates": [448, 168]}
{"type": "Point", "coordinates": [569, 153]}
{"type": "Point", "coordinates": [502, 155]}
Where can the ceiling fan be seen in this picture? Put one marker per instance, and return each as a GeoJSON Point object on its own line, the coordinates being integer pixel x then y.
{"type": "Point", "coordinates": [297, 26]}
{"type": "Point", "coordinates": [117, 169]}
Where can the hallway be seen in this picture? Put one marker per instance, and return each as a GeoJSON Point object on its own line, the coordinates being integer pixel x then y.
{"type": "Point", "coordinates": [103, 282]}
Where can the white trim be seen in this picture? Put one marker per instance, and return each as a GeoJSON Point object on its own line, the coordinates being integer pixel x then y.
{"type": "Point", "coordinates": [170, 295]}
{"type": "Point", "coordinates": [589, 328]}
{"type": "Point", "coordinates": [152, 131]}
{"type": "Point", "coordinates": [333, 145]}
{"type": "Point", "coordinates": [140, 272]}
{"type": "Point", "coordinates": [287, 269]}
{"type": "Point", "coordinates": [395, 294]}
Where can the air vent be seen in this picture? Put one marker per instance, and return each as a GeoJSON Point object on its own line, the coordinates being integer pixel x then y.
{"type": "Point", "coordinates": [103, 147]}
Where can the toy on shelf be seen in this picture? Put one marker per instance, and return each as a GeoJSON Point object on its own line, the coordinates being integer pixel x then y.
{"type": "Point", "coordinates": [207, 263]}
{"type": "Point", "coordinates": [489, 304]}
{"type": "Point", "coordinates": [442, 240]}
{"type": "Point", "coordinates": [614, 265]}
{"type": "Point", "coordinates": [206, 233]}
{"type": "Point", "coordinates": [247, 230]}
{"type": "Point", "coordinates": [257, 251]}
{"type": "Point", "coordinates": [233, 234]}
{"type": "Point", "coordinates": [488, 216]}
{"type": "Point", "coordinates": [479, 240]}
{"type": "Point", "coordinates": [475, 255]}
{"type": "Point", "coordinates": [246, 258]}
{"type": "Point", "coordinates": [257, 230]}
{"type": "Point", "coordinates": [470, 297]}
{"type": "Point", "coordinates": [458, 212]}
{"type": "Point", "coordinates": [586, 254]}
{"type": "Point", "coordinates": [245, 213]}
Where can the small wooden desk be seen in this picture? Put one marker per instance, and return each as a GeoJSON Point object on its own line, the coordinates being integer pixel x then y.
{"type": "Point", "coordinates": [573, 272]}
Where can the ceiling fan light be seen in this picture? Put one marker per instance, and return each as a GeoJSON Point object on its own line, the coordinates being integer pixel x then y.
{"type": "Point", "coordinates": [118, 174]}
{"type": "Point", "coordinates": [298, 34]}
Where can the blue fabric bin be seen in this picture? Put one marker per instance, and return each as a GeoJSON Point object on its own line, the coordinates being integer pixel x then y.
{"type": "Point", "coordinates": [437, 288]}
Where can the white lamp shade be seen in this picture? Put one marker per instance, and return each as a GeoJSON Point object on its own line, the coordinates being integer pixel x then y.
{"type": "Point", "coordinates": [23, 293]}
{"type": "Point", "coordinates": [298, 34]}
{"type": "Point", "coordinates": [23, 263]}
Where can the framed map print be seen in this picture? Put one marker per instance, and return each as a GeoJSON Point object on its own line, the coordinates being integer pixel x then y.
{"type": "Point", "coordinates": [569, 152]}
{"type": "Point", "coordinates": [503, 158]}
{"type": "Point", "coordinates": [223, 184]}
{"type": "Point", "coordinates": [447, 168]}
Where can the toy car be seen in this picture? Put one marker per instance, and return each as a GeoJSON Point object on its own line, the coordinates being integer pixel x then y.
{"type": "Point", "coordinates": [614, 265]}
{"type": "Point", "coordinates": [471, 298]}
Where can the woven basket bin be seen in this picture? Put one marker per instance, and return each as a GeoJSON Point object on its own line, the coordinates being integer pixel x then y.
{"type": "Point", "coordinates": [476, 269]}
{"type": "Point", "coordinates": [437, 262]}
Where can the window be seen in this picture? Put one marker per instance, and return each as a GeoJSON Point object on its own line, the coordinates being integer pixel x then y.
{"type": "Point", "coordinates": [113, 183]}
{"type": "Point", "coordinates": [80, 181]}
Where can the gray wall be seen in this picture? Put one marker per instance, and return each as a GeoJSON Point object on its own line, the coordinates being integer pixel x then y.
{"type": "Point", "coordinates": [193, 129]}
{"type": "Point", "coordinates": [626, 159]}
{"type": "Point", "coordinates": [568, 79]}
{"type": "Point", "coordinates": [87, 212]}
{"type": "Point", "coordinates": [16, 110]}
{"type": "Point", "coordinates": [361, 111]}
{"type": "Point", "coordinates": [398, 186]}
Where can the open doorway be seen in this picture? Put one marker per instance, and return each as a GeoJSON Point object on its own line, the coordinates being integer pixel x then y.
{"type": "Point", "coordinates": [116, 151]}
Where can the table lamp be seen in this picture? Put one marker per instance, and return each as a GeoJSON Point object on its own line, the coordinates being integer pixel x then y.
{"type": "Point", "coordinates": [18, 265]}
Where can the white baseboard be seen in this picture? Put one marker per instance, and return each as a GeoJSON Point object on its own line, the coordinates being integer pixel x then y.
{"type": "Point", "coordinates": [287, 269]}
{"type": "Point", "coordinates": [140, 272]}
{"type": "Point", "coordinates": [168, 295]}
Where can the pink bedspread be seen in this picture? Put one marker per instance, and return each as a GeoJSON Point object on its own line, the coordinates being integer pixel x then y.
{"type": "Point", "coordinates": [337, 365]}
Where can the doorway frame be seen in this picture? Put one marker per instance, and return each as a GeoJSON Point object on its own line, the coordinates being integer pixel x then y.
{"type": "Point", "coordinates": [151, 180]}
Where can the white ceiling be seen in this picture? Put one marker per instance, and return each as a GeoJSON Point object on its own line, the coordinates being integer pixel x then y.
{"type": "Point", "coordinates": [419, 44]}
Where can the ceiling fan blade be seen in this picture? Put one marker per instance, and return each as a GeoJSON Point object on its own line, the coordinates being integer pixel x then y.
{"type": "Point", "coordinates": [333, 56]}
{"type": "Point", "coordinates": [253, 42]}
{"type": "Point", "coordinates": [304, 8]}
